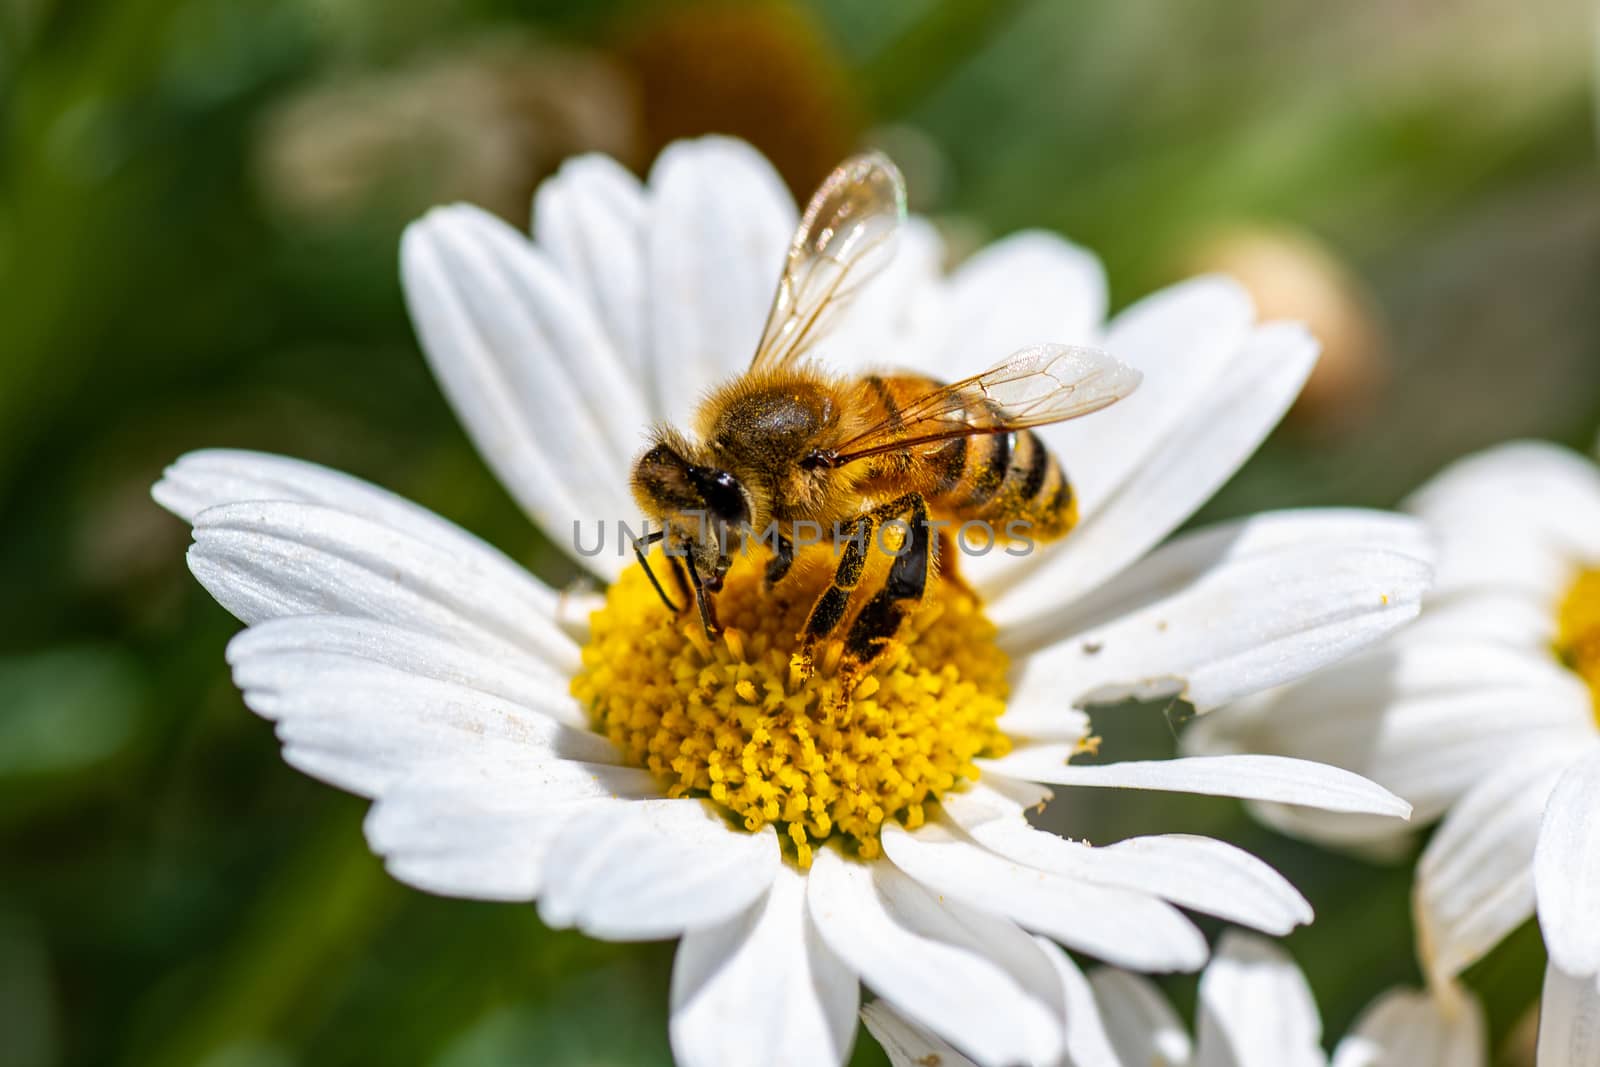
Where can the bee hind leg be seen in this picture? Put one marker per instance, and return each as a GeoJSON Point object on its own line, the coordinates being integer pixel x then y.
{"type": "Point", "coordinates": [830, 607]}
{"type": "Point", "coordinates": [879, 620]}
{"type": "Point", "coordinates": [908, 570]}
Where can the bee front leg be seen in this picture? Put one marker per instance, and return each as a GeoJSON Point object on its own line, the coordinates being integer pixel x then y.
{"type": "Point", "coordinates": [681, 579]}
{"type": "Point", "coordinates": [640, 548]}
{"type": "Point", "coordinates": [782, 560]}
{"type": "Point", "coordinates": [702, 597]}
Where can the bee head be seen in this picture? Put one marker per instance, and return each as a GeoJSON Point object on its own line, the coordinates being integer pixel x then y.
{"type": "Point", "coordinates": [702, 507]}
{"type": "Point", "coordinates": [667, 480]}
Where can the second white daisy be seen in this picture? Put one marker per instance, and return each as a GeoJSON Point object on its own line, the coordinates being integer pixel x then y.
{"type": "Point", "coordinates": [1485, 713]}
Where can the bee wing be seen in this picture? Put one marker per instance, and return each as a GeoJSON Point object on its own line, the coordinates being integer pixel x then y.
{"type": "Point", "coordinates": [845, 238]}
{"type": "Point", "coordinates": [1031, 387]}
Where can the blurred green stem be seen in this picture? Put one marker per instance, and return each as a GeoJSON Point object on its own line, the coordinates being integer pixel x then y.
{"type": "Point", "coordinates": [328, 902]}
{"type": "Point", "coordinates": [59, 104]}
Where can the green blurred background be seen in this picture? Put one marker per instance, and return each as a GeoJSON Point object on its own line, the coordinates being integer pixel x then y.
{"type": "Point", "coordinates": [199, 207]}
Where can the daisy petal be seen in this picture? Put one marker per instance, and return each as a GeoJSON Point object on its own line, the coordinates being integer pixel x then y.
{"type": "Point", "coordinates": [1124, 927]}
{"type": "Point", "coordinates": [1142, 1026]}
{"type": "Point", "coordinates": [1406, 1028]}
{"type": "Point", "coordinates": [1088, 1043]}
{"type": "Point", "coordinates": [548, 347]}
{"type": "Point", "coordinates": [1205, 875]}
{"type": "Point", "coordinates": [1190, 557]}
{"type": "Point", "coordinates": [1490, 560]}
{"type": "Point", "coordinates": [970, 978]}
{"type": "Point", "coordinates": [572, 612]}
{"type": "Point", "coordinates": [1248, 777]}
{"type": "Point", "coordinates": [1256, 623]}
{"type": "Point", "coordinates": [365, 726]}
{"type": "Point", "coordinates": [480, 830]}
{"type": "Point", "coordinates": [1195, 872]}
{"type": "Point", "coordinates": [1529, 491]}
{"type": "Point", "coordinates": [311, 639]}
{"type": "Point", "coordinates": [1475, 879]}
{"type": "Point", "coordinates": [1427, 721]}
{"type": "Point", "coordinates": [209, 477]}
{"type": "Point", "coordinates": [215, 476]}
{"type": "Point", "coordinates": [1219, 430]}
{"type": "Point", "coordinates": [270, 559]}
{"type": "Point", "coordinates": [466, 854]}
{"type": "Point", "coordinates": [1029, 288]}
{"type": "Point", "coordinates": [1378, 838]}
{"type": "Point", "coordinates": [1569, 1020]}
{"type": "Point", "coordinates": [763, 988]}
{"type": "Point", "coordinates": [1180, 339]}
{"type": "Point", "coordinates": [1256, 1009]}
{"type": "Point", "coordinates": [906, 1044]}
{"type": "Point", "coordinates": [1508, 617]}
{"type": "Point", "coordinates": [1566, 869]}
{"type": "Point", "coordinates": [525, 363]}
{"type": "Point", "coordinates": [1515, 518]}
{"type": "Point", "coordinates": [590, 216]}
{"type": "Point", "coordinates": [653, 869]}
{"type": "Point", "coordinates": [1043, 722]}
{"type": "Point", "coordinates": [720, 222]}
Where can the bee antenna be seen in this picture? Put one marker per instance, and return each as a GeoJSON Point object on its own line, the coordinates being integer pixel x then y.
{"type": "Point", "coordinates": [639, 547]}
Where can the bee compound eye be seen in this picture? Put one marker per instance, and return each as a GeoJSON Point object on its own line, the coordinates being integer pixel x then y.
{"type": "Point", "coordinates": [723, 495]}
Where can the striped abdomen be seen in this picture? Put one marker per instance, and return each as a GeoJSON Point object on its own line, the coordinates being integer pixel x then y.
{"type": "Point", "coordinates": [999, 478]}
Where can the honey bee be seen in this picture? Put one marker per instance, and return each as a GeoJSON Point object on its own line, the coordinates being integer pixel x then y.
{"type": "Point", "coordinates": [789, 445]}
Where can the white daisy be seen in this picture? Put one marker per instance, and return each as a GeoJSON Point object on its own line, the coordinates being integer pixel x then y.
{"type": "Point", "coordinates": [1483, 713]}
{"type": "Point", "coordinates": [1255, 1010]}
{"type": "Point", "coordinates": [406, 661]}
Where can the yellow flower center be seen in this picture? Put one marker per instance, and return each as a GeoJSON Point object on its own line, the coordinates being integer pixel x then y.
{"type": "Point", "coordinates": [1578, 631]}
{"type": "Point", "coordinates": [818, 756]}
